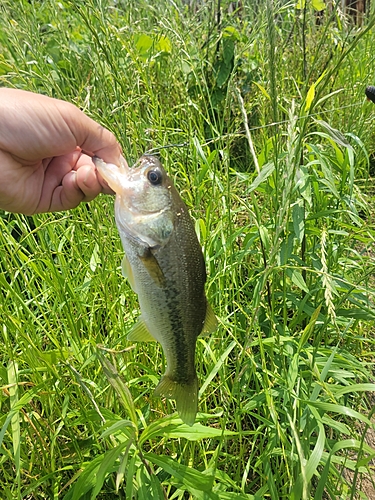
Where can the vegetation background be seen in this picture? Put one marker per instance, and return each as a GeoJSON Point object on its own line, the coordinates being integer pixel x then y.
{"type": "Point", "coordinates": [258, 111]}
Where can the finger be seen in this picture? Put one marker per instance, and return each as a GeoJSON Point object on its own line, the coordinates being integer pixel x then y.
{"type": "Point", "coordinates": [54, 174]}
{"type": "Point", "coordinates": [67, 195]}
{"type": "Point", "coordinates": [77, 186]}
{"type": "Point", "coordinates": [92, 137]}
{"type": "Point", "coordinates": [34, 126]}
{"type": "Point", "coordinates": [90, 180]}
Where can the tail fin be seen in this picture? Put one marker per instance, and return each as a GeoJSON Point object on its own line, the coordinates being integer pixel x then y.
{"type": "Point", "coordinates": [186, 396]}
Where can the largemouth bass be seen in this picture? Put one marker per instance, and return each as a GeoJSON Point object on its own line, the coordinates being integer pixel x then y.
{"type": "Point", "coordinates": [165, 267]}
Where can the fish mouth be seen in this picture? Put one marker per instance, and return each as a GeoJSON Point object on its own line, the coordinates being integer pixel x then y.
{"type": "Point", "coordinates": [114, 175]}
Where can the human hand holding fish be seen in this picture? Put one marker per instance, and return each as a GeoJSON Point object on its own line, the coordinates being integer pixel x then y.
{"type": "Point", "coordinates": [43, 165]}
{"type": "Point", "coordinates": [165, 267]}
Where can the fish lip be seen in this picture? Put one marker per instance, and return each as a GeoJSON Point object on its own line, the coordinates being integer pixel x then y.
{"type": "Point", "coordinates": [114, 175]}
{"type": "Point", "coordinates": [97, 161]}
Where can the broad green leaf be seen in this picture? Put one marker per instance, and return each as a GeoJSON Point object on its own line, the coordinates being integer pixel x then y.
{"type": "Point", "coordinates": [310, 96]}
{"type": "Point", "coordinates": [120, 426]}
{"type": "Point", "coordinates": [106, 467]}
{"type": "Point", "coordinates": [149, 487]}
{"type": "Point", "coordinates": [231, 32]}
{"type": "Point", "coordinates": [265, 237]}
{"type": "Point", "coordinates": [225, 69]}
{"type": "Point", "coordinates": [316, 455]}
{"type": "Point", "coordinates": [129, 488]}
{"type": "Point", "coordinates": [262, 89]}
{"type": "Point", "coordinates": [119, 386]}
{"type": "Point", "coordinates": [187, 475]}
{"type": "Point", "coordinates": [342, 410]}
{"type": "Point", "coordinates": [172, 426]}
{"type": "Point", "coordinates": [337, 136]}
{"type": "Point", "coordinates": [318, 5]}
{"type": "Point", "coordinates": [365, 314]}
{"type": "Point", "coordinates": [298, 215]}
{"type": "Point", "coordinates": [164, 44]}
{"type": "Point", "coordinates": [156, 488]}
{"type": "Point", "coordinates": [54, 356]}
{"type": "Point", "coordinates": [197, 432]}
{"type": "Point", "coordinates": [199, 150]}
{"type": "Point", "coordinates": [355, 388]}
{"type": "Point", "coordinates": [17, 406]}
{"type": "Point", "coordinates": [201, 230]}
{"type": "Point", "coordinates": [143, 44]}
{"type": "Point", "coordinates": [228, 50]}
{"type": "Point", "coordinates": [307, 332]}
{"type": "Point", "coordinates": [328, 178]}
{"type": "Point", "coordinates": [335, 424]}
{"type": "Point", "coordinates": [159, 427]}
{"type": "Point", "coordinates": [266, 171]}
{"type": "Point", "coordinates": [292, 372]}
{"type": "Point", "coordinates": [304, 184]}
{"type": "Point", "coordinates": [217, 367]}
{"type": "Point", "coordinates": [286, 249]}
{"type": "Point", "coordinates": [297, 279]}
{"type": "Point", "coordinates": [120, 473]}
{"type": "Point", "coordinates": [86, 480]}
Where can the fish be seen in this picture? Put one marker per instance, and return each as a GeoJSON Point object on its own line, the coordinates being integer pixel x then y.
{"type": "Point", "coordinates": [165, 266]}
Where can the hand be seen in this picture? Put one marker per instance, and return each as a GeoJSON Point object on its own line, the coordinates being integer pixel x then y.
{"type": "Point", "coordinates": [43, 165]}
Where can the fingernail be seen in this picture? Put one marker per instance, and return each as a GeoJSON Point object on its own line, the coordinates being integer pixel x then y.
{"type": "Point", "coordinates": [86, 178]}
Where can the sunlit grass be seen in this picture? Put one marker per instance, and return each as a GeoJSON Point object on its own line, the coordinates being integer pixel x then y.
{"type": "Point", "coordinates": [290, 257]}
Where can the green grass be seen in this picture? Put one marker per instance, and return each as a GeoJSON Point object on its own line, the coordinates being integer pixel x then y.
{"type": "Point", "coordinates": [287, 391]}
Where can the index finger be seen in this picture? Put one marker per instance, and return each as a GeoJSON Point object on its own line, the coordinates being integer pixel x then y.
{"type": "Point", "coordinates": [93, 138]}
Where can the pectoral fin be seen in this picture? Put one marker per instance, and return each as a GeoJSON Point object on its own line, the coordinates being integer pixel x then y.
{"type": "Point", "coordinates": [140, 333]}
{"type": "Point", "coordinates": [127, 272]}
{"type": "Point", "coordinates": [210, 322]}
{"type": "Point", "coordinates": [153, 268]}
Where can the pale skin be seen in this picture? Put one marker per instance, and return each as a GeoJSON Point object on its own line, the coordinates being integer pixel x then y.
{"type": "Point", "coordinates": [46, 147]}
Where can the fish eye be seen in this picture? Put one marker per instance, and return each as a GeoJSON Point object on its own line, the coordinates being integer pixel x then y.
{"type": "Point", "coordinates": [155, 177]}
